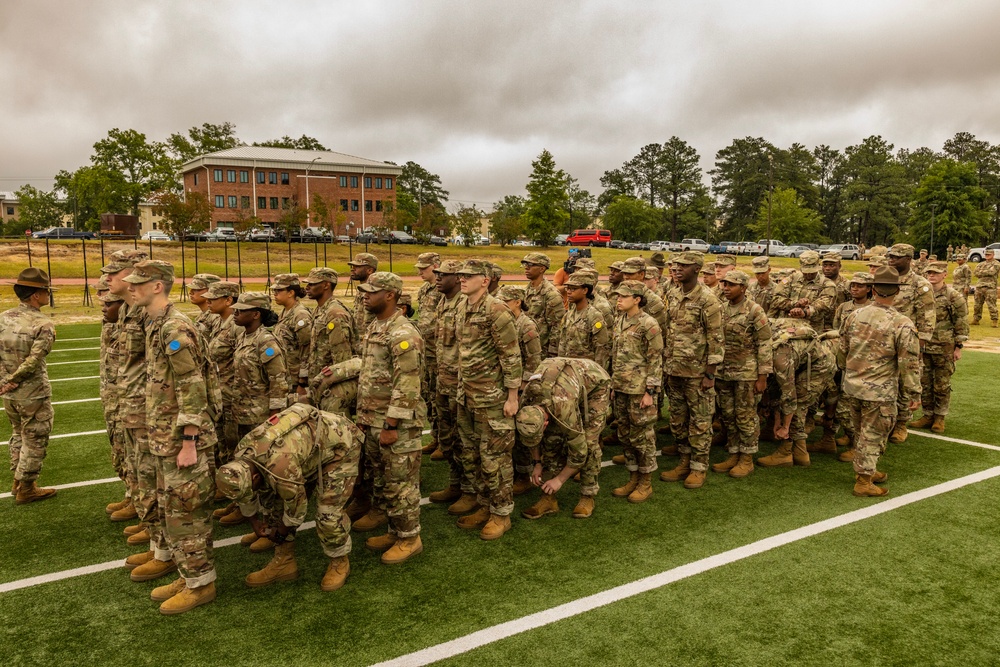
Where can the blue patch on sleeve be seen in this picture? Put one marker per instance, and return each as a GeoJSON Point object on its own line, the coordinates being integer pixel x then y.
{"type": "Point", "coordinates": [175, 345]}
{"type": "Point", "coordinates": [269, 351]}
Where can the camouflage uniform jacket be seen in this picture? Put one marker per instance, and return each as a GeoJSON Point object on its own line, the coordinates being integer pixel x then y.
{"type": "Point", "coordinates": [842, 295]}
{"type": "Point", "coordinates": [361, 319]}
{"type": "Point", "coordinates": [798, 349]}
{"type": "Point", "coordinates": [294, 335]}
{"type": "Point", "coordinates": [986, 273]}
{"type": "Point", "coordinates": [544, 305]}
{"type": "Point", "coordinates": [177, 393]}
{"type": "Point", "coordinates": [762, 296]}
{"type": "Point", "coordinates": [695, 337]}
{"type": "Point", "coordinates": [584, 334]}
{"type": "Point", "coordinates": [920, 266]}
{"type": "Point", "coordinates": [880, 354]}
{"type": "Point", "coordinates": [951, 324]}
{"type": "Point", "coordinates": [221, 349]}
{"type": "Point", "coordinates": [916, 302]}
{"type": "Point", "coordinates": [111, 360]}
{"type": "Point", "coordinates": [260, 375]}
{"type": "Point", "coordinates": [392, 369]}
{"type": "Point", "coordinates": [602, 304]}
{"type": "Point", "coordinates": [428, 299]}
{"type": "Point", "coordinates": [845, 309]}
{"type": "Point", "coordinates": [489, 356]}
{"type": "Point", "coordinates": [531, 346]}
{"type": "Point", "coordinates": [820, 291]}
{"type": "Point", "coordinates": [334, 339]}
{"type": "Point", "coordinates": [564, 388]}
{"type": "Point", "coordinates": [657, 309]}
{"type": "Point", "coordinates": [446, 344]}
{"type": "Point", "coordinates": [637, 355]}
{"type": "Point", "coordinates": [207, 323]}
{"type": "Point", "coordinates": [132, 371]}
{"type": "Point", "coordinates": [961, 278]}
{"type": "Point", "coordinates": [748, 341]}
{"type": "Point", "coordinates": [289, 450]}
{"type": "Point", "coordinates": [26, 337]}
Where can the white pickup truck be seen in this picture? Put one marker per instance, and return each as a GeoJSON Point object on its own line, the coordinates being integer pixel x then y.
{"type": "Point", "coordinates": [689, 244]}
{"type": "Point", "coordinates": [760, 247]}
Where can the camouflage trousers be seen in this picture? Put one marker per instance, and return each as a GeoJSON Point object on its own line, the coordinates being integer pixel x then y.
{"type": "Point", "coordinates": [145, 495]}
{"type": "Point", "coordinates": [184, 497]}
{"type": "Point", "coordinates": [340, 399]}
{"type": "Point", "coordinates": [872, 422]}
{"type": "Point", "coordinates": [226, 436]}
{"type": "Point", "coordinates": [485, 454]}
{"type": "Point", "coordinates": [394, 477]}
{"type": "Point", "coordinates": [30, 425]}
{"type": "Point", "coordinates": [119, 461]}
{"type": "Point", "coordinates": [450, 444]}
{"type": "Point", "coordinates": [554, 458]}
{"type": "Point", "coordinates": [691, 411]}
{"type": "Point", "coordinates": [521, 457]}
{"type": "Point", "coordinates": [636, 432]}
{"type": "Point", "coordinates": [903, 411]}
{"type": "Point", "coordinates": [430, 398]}
{"type": "Point", "coordinates": [935, 383]}
{"type": "Point", "coordinates": [987, 295]}
{"type": "Point", "coordinates": [809, 384]}
{"type": "Point", "coordinates": [738, 407]}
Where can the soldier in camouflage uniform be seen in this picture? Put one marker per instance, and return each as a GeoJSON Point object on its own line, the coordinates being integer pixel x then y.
{"type": "Point", "coordinates": [723, 265]}
{"type": "Point", "coordinates": [761, 291]}
{"type": "Point", "coordinates": [362, 266]}
{"type": "Point", "coordinates": [542, 301]}
{"type": "Point", "coordinates": [961, 277]}
{"type": "Point", "coordinates": [915, 300]}
{"type": "Point", "coordinates": [207, 321]}
{"type": "Point", "coordinates": [659, 261]}
{"type": "Point", "coordinates": [294, 328]}
{"type": "Point", "coordinates": [272, 474]}
{"type": "Point", "coordinates": [489, 376]}
{"type": "Point", "coordinates": [986, 288]}
{"type": "Point", "coordinates": [743, 374]}
{"type": "Point", "coordinates": [920, 264]}
{"type": "Point", "coordinates": [26, 338]}
{"type": "Point", "coordinates": [583, 332]}
{"type": "Point", "coordinates": [496, 275]}
{"type": "Point", "coordinates": [951, 330]}
{"type": "Point", "coordinates": [706, 276]}
{"type": "Point", "coordinates": [563, 409]}
{"type": "Point", "coordinates": [860, 287]}
{"type": "Point", "coordinates": [831, 264]}
{"type": "Point", "coordinates": [110, 392]}
{"type": "Point", "coordinates": [334, 336]}
{"type": "Point", "coordinates": [221, 350]}
{"type": "Point", "coordinates": [880, 355]}
{"type": "Point", "coordinates": [179, 414]}
{"type": "Point", "coordinates": [634, 268]}
{"type": "Point", "coordinates": [392, 413]}
{"type": "Point", "coordinates": [598, 299]}
{"type": "Point", "coordinates": [805, 294]}
{"type": "Point", "coordinates": [695, 348]}
{"type": "Point", "coordinates": [427, 300]}
{"type": "Point", "coordinates": [259, 363]}
{"type": "Point", "coordinates": [636, 379]}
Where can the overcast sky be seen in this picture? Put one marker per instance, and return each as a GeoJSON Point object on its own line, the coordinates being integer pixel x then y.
{"type": "Point", "coordinates": [473, 91]}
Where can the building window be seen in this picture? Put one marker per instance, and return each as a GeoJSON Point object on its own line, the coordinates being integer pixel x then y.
{"type": "Point", "coordinates": [343, 181]}
{"type": "Point", "coordinates": [343, 205]}
{"type": "Point", "coordinates": [244, 176]}
{"type": "Point", "coordinates": [388, 184]}
{"type": "Point", "coordinates": [284, 178]}
{"type": "Point", "coordinates": [244, 202]}
{"type": "Point", "coordinates": [274, 203]}
{"type": "Point", "coordinates": [218, 175]}
{"type": "Point", "coordinates": [354, 181]}
{"type": "Point", "coordinates": [368, 182]}
{"type": "Point", "coordinates": [368, 205]}
{"type": "Point", "coordinates": [154, 226]}
{"type": "Point", "coordinates": [262, 201]}
{"type": "Point", "coordinates": [196, 178]}
{"type": "Point", "coordinates": [232, 201]}
{"type": "Point", "coordinates": [231, 175]}
{"type": "Point", "coordinates": [378, 204]}
{"type": "Point", "coordinates": [284, 203]}
{"type": "Point", "coordinates": [220, 201]}
{"type": "Point", "coordinates": [260, 177]}
{"type": "Point", "coordinates": [272, 178]}
{"type": "Point", "coordinates": [354, 204]}
{"type": "Point", "coordinates": [378, 183]}
{"type": "Point", "coordinates": [10, 209]}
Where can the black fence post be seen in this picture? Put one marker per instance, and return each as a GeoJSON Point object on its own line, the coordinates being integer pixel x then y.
{"type": "Point", "coordinates": [86, 278]}
{"type": "Point", "coordinates": [48, 263]}
{"type": "Point", "coordinates": [27, 236]}
{"type": "Point", "coordinates": [226, 259]}
{"type": "Point", "coordinates": [390, 254]}
{"type": "Point", "coordinates": [151, 247]}
{"type": "Point", "coordinates": [102, 251]}
{"type": "Point", "coordinates": [316, 252]}
{"type": "Point", "coordinates": [135, 242]}
{"type": "Point", "coordinates": [196, 256]}
{"type": "Point", "coordinates": [267, 258]}
{"type": "Point", "coordinates": [239, 265]}
{"type": "Point", "coordinates": [289, 252]}
{"type": "Point", "coordinates": [325, 244]}
{"type": "Point", "coordinates": [183, 272]}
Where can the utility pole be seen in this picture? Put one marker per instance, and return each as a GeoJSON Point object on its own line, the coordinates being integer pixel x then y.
{"type": "Point", "coordinates": [770, 187]}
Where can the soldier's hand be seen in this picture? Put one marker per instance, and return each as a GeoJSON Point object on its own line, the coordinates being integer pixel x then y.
{"type": "Point", "coordinates": [188, 455]}
{"type": "Point", "coordinates": [760, 386]}
{"type": "Point", "coordinates": [646, 401]}
{"type": "Point", "coordinates": [257, 527]}
{"type": "Point", "coordinates": [957, 354]}
{"type": "Point", "coordinates": [797, 312]}
{"type": "Point", "coordinates": [536, 475]}
{"type": "Point", "coordinates": [914, 404]}
{"type": "Point", "coordinates": [781, 432]}
{"type": "Point", "coordinates": [387, 437]}
{"type": "Point", "coordinates": [510, 406]}
{"type": "Point", "coordinates": [552, 486]}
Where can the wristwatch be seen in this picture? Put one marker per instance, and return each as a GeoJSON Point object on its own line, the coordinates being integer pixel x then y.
{"type": "Point", "coordinates": [387, 427]}
{"type": "Point", "coordinates": [710, 376]}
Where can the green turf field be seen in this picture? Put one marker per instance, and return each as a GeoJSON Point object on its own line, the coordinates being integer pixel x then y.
{"type": "Point", "coordinates": [913, 585]}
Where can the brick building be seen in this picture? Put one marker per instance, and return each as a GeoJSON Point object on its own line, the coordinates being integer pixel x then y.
{"type": "Point", "coordinates": [265, 182]}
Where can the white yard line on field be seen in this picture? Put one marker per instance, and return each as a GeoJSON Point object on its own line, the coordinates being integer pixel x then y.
{"type": "Point", "coordinates": [74, 349]}
{"type": "Point", "coordinates": [66, 340]}
{"type": "Point", "coordinates": [971, 443]}
{"type": "Point", "coordinates": [73, 485]}
{"type": "Point", "coordinates": [67, 363]}
{"type": "Point", "coordinates": [78, 400]}
{"type": "Point", "coordinates": [82, 377]}
{"type": "Point", "coordinates": [474, 640]}
{"type": "Point", "coordinates": [66, 435]}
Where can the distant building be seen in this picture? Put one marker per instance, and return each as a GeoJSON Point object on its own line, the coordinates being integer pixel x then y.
{"type": "Point", "coordinates": [265, 182]}
{"type": "Point", "coordinates": [149, 219]}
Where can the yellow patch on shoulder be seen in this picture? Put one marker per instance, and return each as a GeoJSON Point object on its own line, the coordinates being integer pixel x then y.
{"type": "Point", "coordinates": [331, 325]}
{"type": "Point", "coordinates": [597, 325]}
{"type": "Point", "coordinates": [405, 345]}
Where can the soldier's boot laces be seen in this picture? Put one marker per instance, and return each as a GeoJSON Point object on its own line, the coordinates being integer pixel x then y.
{"type": "Point", "coordinates": [260, 545]}
{"type": "Point", "coordinates": [727, 465]}
{"type": "Point", "coordinates": [188, 599]}
{"type": "Point", "coordinates": [863, 487]}
{"type": "Point", "coordinates": [28, 492]}
{"type": "Point", "coordinates": [847, 456]}
{"type": "Point", "coordinates": [879, 477]}
{"type": "Point", "coordinates": [167, 591]}
{"type": "Point", "coordinates": [898, 433]}
{"type": "Point", "coordinates": [404, 549]}
{"type": "Point", "coordinates": [522, 484]}
{"type": "Point", "coordinates": [800, 456]}
{"type": "Point", "coordinates": [643, 489]}
{"type": "Point", "coordinates": [475, 520]}
{"type": "Point", "coordinates": [446, 495]}
{"type": "Point", "coordinates": [827, 444]}
{"type": "Point", "coordinates": [153, 569]}
{"type": "Point", "coordinates": [781, 458]}
{"type": "Point", "coordinates": [695, 480]}
{"type": "Point", "coordinates": [375, 518]}
{"type": "Point", "coordinates": [743, 468]}
{"type": "Point", "coordinates": [938, 425]}
{"type": "Point", "coordinates": [111, 508]}
{"type": "Point", "coordinates": [926, 420]}
{"type": "Point", "coordinates": [336, 574]}
{"type": "Point", "coordinates": [679, 473]}
{"type": "Point", "coordinates": [465, 504]}
{"type": "Point", "coordinates": [135, 560]}
{"type": "Point", "coordinates": [584, 508]}
{"type": "Point", "coordinates": [381, 542]}
{"type": "Point", "coordinates": [281, 567]}
{"type": "Point", "coordinates": [669, 450]}
{"type": "Point", "coordinates": [429, 448]}
{"type": "Point", "coordinates": [547, 504]}
{"type": "Point", "coordinates": [629, 487]}
{"type": "Point", "coordinates": [135, 539]}
{"type": "Point", "coordinates": [618, 459]}
{"type": "Point", "coordinates": [495, 527]}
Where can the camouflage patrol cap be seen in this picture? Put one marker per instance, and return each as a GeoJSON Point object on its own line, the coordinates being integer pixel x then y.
{"type": "Point", "coordinates": [251, 300]}
{"type": "Point", "coordinates": [831, 256]}
{"type": "Point", "coordinates": [426, 259]}
{"type": "Point", "coordinates": [102, 283]}
{"type": "Point", "coordinates": [283, 280]}
{"type": "Point", "coordinates": [809, 260]}
{"type": "Point", "coordinates": [150, 269]}
{"type": "Point", "coordinates": [108, 296]}
{"type": "Point", "coordinates": [223, 289]}
{"type": "Point", "coordinates": [449, 267]}
{"type": "Point", "coordinates": [590, 275]}
{"type": "Point", "coordinates": [937, 267]}
{"type": "Point", "coordinates": [234, 480]}
{"type": "Point", "coordinates": [862, 278]}
{"type": "Point", "coordinates": [658, 259]}
{"type": "Point", "coordinates": [511, 293]}
{"type": "Point", "coordinates": [708, 268]}
{"type": "Point", "coordinates": [405, 300]}
{"type": "Point", "coordinates": [617, 266]}
{"type": "Point", "coordinates": [496, 273]}
{"type": "Point", "coordinates": [123, 259]}
{"type": "Point", "coordinates": [652, 273]}
{"type": "Point", "coordinates": [203, 280]}
{"type": "Point", "coordinates": [688, 257]}
{"type": "Point", "coordinates": [579, 279]}
{"type": "Point", "coordinates": [537, 258]}
{"type": "Point", "coordinates": [877, 260]}
{"type": "Point", "coordinates": [365, 259]}
{"type": "Point", "coordinates": [630, 288]}
{"type": "Point", "coordinates": [961, 255]}
{"type": "Point", "coordinates": [725, 260]}
{"type": "Point", "coordinates": [761, 264]}
{"type": "Point", "coordinates": [886, 275]}
{"type": "Point", "coordinates": [923, 251]}
{"type": "Point", "coordinates": [736, 277]}
{"type": "Point", "coordinates": [989, 251]}
{"type": "Point", "coordinates": [585, 263]}
{"type": "Point", "coordinates": [900, 250]}
{"type": "Point", "coordinates": [475, 267]}
{"type": "Point", "coordinates": [382, 280]}
{"type": "Point", "coordinates": [933, 258]}
{"type": "Point", "coordinates": [321, 274]}
{"type": "Point", "coordinates": [530, 421]}
{"type": "Point", "coordinates": [634, 265]}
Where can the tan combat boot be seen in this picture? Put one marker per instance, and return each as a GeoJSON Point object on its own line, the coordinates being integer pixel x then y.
{"type": "Point", "coordinates": [743, 468]}
{"type": "Point", "coordinates": [695, 479]}
{"type": "Point", "coordinates": [28, 492]}
{"type": "Point", "coordinates": [281, 567]}
{"type": "Point", "coordinates": [847, 456]}
{"type": "Point", "coordinates": [248, 539]}
{"type": "Point", "coordinates": [975, 321]}
{"type": "Point", "coordinates": [643, 490]}
{"type": "Point", "coordinates": [879, 477]}
{"type": "Point", "coordinates": [111, 508]}
{"type": "Point", "coordinates": [135, 560]}
{"type": "Point", "coordinates": [404, 549]}
{"type": "Point", "coordinates": [357, 508]}
{"type": "Point", "coordinates": [547, 504]}
{"type": "Point", "coordinates": [727, 465]}
{"type": "Point", "coordinates": [629, 487]}
{"type": "Point", "coordinates": [679, 473]}
{"type": "Point", "coordinates": [844, 441]}
{"type": "Point", "coordinates": [925, 420]}
{"type": "Point", "coordinates": [336, 574]}
{"type": "Point", "coordinates": [223, 511]}
{"type": "Point", "coordinates": [938, 425]}
{"type": "Point", "coordinates": [669, 450]}
{"type": "Point", "coordinates": [132, 530]}
{"type": "Point", "coordinates": [126, 513]}
{"type": "Point", "coordinates": [827, 444]}
{"type": "Point", "coordinates": [781, 458]}
{"type": "Point", "coordinates": [375, 518]}
{"type": "Point", "coordinates": [475, 520]}
{"type": "Point", "coordinates": [188, 599]}
{"type": "Point", "coordinates": [495, 527]}
{"type": "Point", "coordinates": [863, 487]}
{"type": "Point", "coordinates": [522, 484]}
{"type": "Point", "coordinates": [153, 569]}
{"type": "Point", "coordinates": [164, 593]}
{"type": "Point", "coordinates": [898, 433]}
{"type": "Point", "coordinates": [234, 518]}
{"type": "Point", "coordinates": [381, 542]}
{"type": "Point", "coordinates": [446, 495]}
{"type": "Point", "coordinates": [429, 448]}
{"type": "Point", "coordinates": [584, 508]}
{"type": "Point", "coordinates": [618, 459]}
{"type": "Point", "coordinates": [142, 537]}
{"type": "Point", "coordinates": [465, 504]}
{"type": "Point", "coordinates": [14, 487]}
{"type": "Point", "coordinates": [437, 455]}
{"type": "Point", "coordinates": [261, 544]}
{"type": "Point", "coordinates": [800, 456]}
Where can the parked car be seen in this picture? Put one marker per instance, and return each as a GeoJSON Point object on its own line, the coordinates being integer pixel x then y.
{"type": "Point", "coordinates": [483, 240]}
{"type": "Point", "coordinates": [846, 250]}
{"type": "Point", "coordinates": [590, 237]}
{"type": "Point", "coordinates": [689, 244]}
{"type": "Point", "coordinates": [979, 254]}
{"type": "Point", "coordinates": [659, 246]}
{"type": "Point", "coordinates": [312, 235]}
{"type": "Point", "coordinates": [155, 236]}
{"type": "Point", "coordinates": [437, 240]}
{"type": "Point", "coordinates": [265, 234]}
{"type": "Point", "coordinates": [616, 243]}
{"type": "Point", "coordinates": [365, 237]}
{"type": "Point", "coordinates": [225, 234]}
{"type": "Point", "coordinates": [398, 237]}
{"type": "Point", "coordinates": [722, 247]}
{"type": "Point", "coordinates": [561, 239]}
{"type": "Point", "coordinates": [761, 247]}
{"type": "Point", "coordinates": [63, 233]}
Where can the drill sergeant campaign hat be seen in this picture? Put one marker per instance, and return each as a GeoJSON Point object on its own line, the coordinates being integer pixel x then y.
{"type": "Point", "coordinates": [150, 269]}
{"type": "Point", "coordinates": [251, 300]}
{"type": "Point", "coordinates": [322, 274]}
{"type": "Point", "coordinates": [761, 264]}
{"type": "Point", "coordinates": [222, 289]}
{"type": "Point", "coordinates": [900, 250]}
{"type": "Point", "coordinates": [511, 293]}
{"type": "Point", "coordinates": [449, 267]}
{"type": "Point", "coordinates": [123, 259]}
{"type": "Point", "coordinates": [285, 280]}
{"type": "Point", "coordinates": [809, 260]}
{"type": "Point", "coordinates": [530, 422]}
{"type": "Point", "coordinates": [886, 275]}
{"type": "Point", "coordinates": [689, 257]}
{"type": "Point", "coordinates": [736, 277]}
{"type": "Point", "coordinates": [538, 258]}
{"type": "Point", "coordinates": [32, 277]}
{"type": "Point", "coordinates": [365, 259]}
{"type": "Point", "coordinates": [203, 280]}
{"type": "Point", "coordinates": [659, 260]}
{"type": "Point", "coordinates": [426, 259]}
{"type": "Point", "coordinates": [382, 280]}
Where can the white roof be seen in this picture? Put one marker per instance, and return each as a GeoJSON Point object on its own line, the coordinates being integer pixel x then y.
{"type": "Point", "coordinates": [291, 158]}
